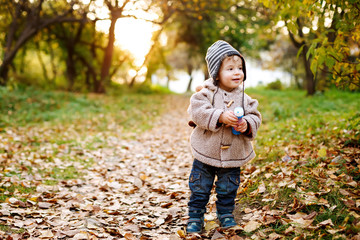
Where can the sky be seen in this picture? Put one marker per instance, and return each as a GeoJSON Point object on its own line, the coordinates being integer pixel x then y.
{"type": "Point", "coordinates": [131, 34]}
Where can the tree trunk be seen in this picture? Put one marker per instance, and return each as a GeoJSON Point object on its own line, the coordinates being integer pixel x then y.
{"type": "Point", "coordinates": [41, 61]}
{"type": "Point", "coordinates": [10, 37]}
{"type": "Point", "coordinates": [105, 69]}
{"type": "Point", "coordinates": [309, 76]}
{"type": "Point", "coordinates": [71, 43]}
{"type": "Point", "coordinates": [297, 82]}
{"type": "Point", "coordinates": [52, 63]}
{"type": "Point", "coordinates": [70, 69]}
{"type": "Point", "coordinates": [90, 75]}
{"type": "Point", "coordinates": [189, 71]}
{"type": "Point", "coordinates": [22, 62]}
{"type": "Point", "coordinates": [168, 80]}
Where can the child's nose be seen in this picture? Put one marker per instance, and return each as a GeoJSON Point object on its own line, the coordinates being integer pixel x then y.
{"type": "Point", "coordinates": [238, 71]}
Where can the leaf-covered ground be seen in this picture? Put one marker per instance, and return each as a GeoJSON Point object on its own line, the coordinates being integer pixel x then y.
{"type": "Point", "coordinates": [72, 181]}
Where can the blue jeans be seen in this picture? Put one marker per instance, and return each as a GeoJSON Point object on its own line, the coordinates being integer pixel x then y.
{"type": "Point", "coordinates": [201, 181]}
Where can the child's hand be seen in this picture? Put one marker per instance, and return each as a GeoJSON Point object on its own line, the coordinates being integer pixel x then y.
{"type": "Point", "coordinates": [241, 126]}
{"type": "Point", "coordinates": [228, 118]}
{"type": "Point", "coordinates": [198, 88]}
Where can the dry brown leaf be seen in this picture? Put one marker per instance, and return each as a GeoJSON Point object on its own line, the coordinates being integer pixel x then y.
{"type": "Point", "coordinates": [326, 222]}
{"type": "Point", "coordinates": [210, 225]}
{"type": "Point", "coordinates": [236, 237]}
{"type": "Point", "coordinates": [289, 230]}
{"type": "Point", "coordinates": [217, 235]}
{"type": "Point", "coordinates": [46, 234]}
{"type": "Point", "coordinates": [44, 205]}
{"type": "Point", "coordinates": [274, 236]}
{"type": "Point", "coordinates": [251, 226]}
{"type": "Point", "coordinates": [299, 221]}
{"type": "Point", "coordinates": [81, 236]}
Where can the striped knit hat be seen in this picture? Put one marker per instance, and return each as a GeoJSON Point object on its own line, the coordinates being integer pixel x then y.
{"type": "Point", "coordinates": [216, 54]}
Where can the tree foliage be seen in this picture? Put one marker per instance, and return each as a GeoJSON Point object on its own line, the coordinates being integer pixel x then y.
{"type": "Point", "coordinates": [27, 19]}
{"type": "Point", "coordinates": [327, 34]}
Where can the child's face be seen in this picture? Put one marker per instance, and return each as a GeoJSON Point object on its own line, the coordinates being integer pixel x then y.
{"type": "Point", "coordinates": [231, 74]}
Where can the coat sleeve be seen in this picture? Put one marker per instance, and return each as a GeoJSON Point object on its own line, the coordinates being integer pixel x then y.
{"type": "Point", "coordinates": [252, 116]}
{"type": "Point", "coordinates": [202, 112]}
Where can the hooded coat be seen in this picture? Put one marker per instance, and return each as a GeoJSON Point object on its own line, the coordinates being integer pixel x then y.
{"type": "Point", "coordinates": [213, 143]}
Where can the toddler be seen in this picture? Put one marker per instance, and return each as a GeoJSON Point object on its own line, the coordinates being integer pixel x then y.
{"type": "Point", "coordinates": [217, 151]}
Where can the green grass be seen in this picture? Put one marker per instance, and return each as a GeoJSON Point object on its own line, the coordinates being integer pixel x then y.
{"type": "Point", "coordinates": [291, 116]}
{"type": "Point", "coordinates": [35, 124]}
{"type": "Point", "coordinates": [6, 228]}
{"type": "Point", "coordinates": [13, 190]}
{"type": "Point", "coordinates": [29, 106]}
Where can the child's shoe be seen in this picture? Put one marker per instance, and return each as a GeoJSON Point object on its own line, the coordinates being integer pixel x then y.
{"type": "Point", "coordinates": [226, 220]}
{"type": "Point", "coordinates": [195, 225]}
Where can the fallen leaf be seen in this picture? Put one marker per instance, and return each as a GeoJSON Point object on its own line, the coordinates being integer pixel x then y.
{"type": "Point", "coordinates": [46, 234]}
{"type": "Point", "coordinates": [299, 221]}
{"type": "Point", "coordinates": [354, 214]}
{"type": "Point", "coordinates": [326, 222]}
{"type": "Point", "coordinates": [334, 231]}
{"type": "Point", "coordinates": [70, 233]}
{"type": "Point", "coordinates": [310, 216]}
{"type": "Point", "coordinates": [260, 189]}
{"type": "Point", "coordinates": [322, 152]}
{"type": "Point", "coordinates": [181, 233]}
{"type": "Point", "coordinates": [130, 236]}
{"type": "Point", "coordinates": [210, 225]}
{"type": "Point", "coordinates": [251, 226]}
{"type": "Point", "coordinates": [344, 192]}
{"type": "Point", "coordinates": [236, 237]}
{"type": "Point", "coordinates": [217, 235]}
{"type": "Point", "coordinates": [44, 205]}
{"type": "Point", "coordinates": [289, 230]}
{"type": "Point", "coordinates": [274, 236]}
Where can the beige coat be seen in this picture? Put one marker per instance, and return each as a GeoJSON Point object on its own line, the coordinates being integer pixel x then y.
{"type": "Point", "coordinates": [214, 144]}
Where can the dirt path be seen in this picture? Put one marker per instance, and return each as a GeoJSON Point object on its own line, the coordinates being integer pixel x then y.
{"type": "Point", "coordinates": [145, 180]}
{"type": "Point", "coordinates": [140, 185]}
{"type": "Point", "coordinates": [136, 190]}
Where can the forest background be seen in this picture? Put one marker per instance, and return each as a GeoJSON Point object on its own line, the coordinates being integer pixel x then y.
{"type": "Point", "coordinates": [72, 45]}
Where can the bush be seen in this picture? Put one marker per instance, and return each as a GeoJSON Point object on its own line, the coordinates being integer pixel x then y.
{"type": "Point", "coordinates": [277, 85]}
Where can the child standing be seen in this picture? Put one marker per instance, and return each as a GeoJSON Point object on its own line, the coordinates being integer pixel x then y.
{"type": "Point", "coordinates": [217, 151]}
